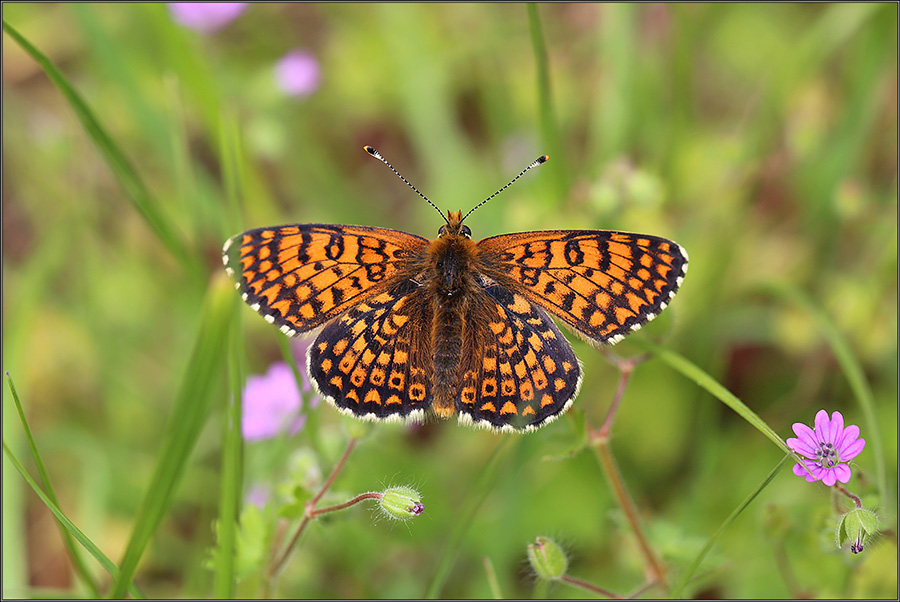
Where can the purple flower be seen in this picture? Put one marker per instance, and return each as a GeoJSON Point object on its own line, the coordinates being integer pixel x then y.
{"type": "Point", "coordinates": [258, 495]}
{"type": "Point", "coordinates": [297, 73]}
{"type": "Point", "coordinates": [206, 17]}
{"type": "Point", "coordinates": [826, 449]}
{"type": "Point", "coordinates": [272, 404]}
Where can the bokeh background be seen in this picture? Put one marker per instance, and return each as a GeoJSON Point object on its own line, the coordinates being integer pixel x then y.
{"type": "Point", "coordinates": [763, 138]}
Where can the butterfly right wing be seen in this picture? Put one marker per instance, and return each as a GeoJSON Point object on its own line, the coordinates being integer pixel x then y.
{"type": "Point", "coordinates": [604, 284]}
{"type": "Point", "coordinates": [301, 276]}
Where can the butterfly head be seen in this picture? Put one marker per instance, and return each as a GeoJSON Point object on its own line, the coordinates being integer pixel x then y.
{"type": "Point", "coordinates": [454, 226]}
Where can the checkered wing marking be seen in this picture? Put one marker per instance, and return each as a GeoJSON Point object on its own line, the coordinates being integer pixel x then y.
{"type": "Point", "coordinates": [299, 277]}
{"type": "Point", "coordinates": [518, 371]}
{"type": "Point", "coordinates": [375, 361]}
{"type": "Point", "coordinates": [604, 284]}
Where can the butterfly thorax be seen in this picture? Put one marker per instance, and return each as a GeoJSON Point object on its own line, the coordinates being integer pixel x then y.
{"type": "Point", "coordinates": [451, 279]}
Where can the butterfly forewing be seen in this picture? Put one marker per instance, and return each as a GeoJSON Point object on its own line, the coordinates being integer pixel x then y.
{"type": "Point", "coordinates": [604, 284]}
{"type": "Point", "coordinates": [301, 276]}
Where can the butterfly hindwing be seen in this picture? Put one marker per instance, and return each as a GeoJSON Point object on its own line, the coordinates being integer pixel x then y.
{"type": "Point", "coordinates": [375, 361]}
{"type": "Point", "coordinates": [300, 276]}
{"type": "Point", "coordinates": [518, 371]}
{"type": "Point", "coordinates": [604, 284]}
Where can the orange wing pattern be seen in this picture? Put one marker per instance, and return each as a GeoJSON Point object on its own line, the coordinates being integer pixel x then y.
{"type": "Point", "coordinates": [301, 276]}
{"type": "Point", "coordinates": [375, 361]}
{"type": "Point", "coordinates": [604, 284]}
{"type": "Point", "coordinates": [518, 372]}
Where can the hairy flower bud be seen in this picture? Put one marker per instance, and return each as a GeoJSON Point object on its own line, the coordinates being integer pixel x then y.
{"type": "Point", "coordinates": [547, 559]}
{"type": "Point", "coordinates": [401, 503]}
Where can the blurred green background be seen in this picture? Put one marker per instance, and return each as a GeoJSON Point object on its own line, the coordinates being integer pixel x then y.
{"type": "Point", "coordinates": [762, 138]}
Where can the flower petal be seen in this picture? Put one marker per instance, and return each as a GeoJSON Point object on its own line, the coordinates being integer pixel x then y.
{"type": "Point", "coordinates": [823, 427]}
{"type": "Point", "coordinates": [813, 468]}
{"type": "Point", "coordinates": [851, 451]}
{"type": "Point", "coordinates": [801, 446]}
{"type": "Point", "coordinates": [842, 472]}
{"type": "Point", "coordinates": [837, 427]}
{"type": "Point", "coordinates": [850, 434]}
{"type": "Point", "coordinates": [807, 438]}
{"type": "Point", "coordinates": [829, 478]}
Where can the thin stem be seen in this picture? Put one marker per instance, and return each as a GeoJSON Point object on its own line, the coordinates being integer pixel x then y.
{"type": "Point", "coordinates": [641, 590]}
{"type": "Point", "coordinates": [372, 495]}
{"type": "Point", "coordinates": [626, 367]}
{"type": "Point", "coordinates": [276, 566]}
{"type": "Point", "coordinates": [850, 495]}
{"type": "Point", "coordinates": [599, 438]}
{"type": "Point", "coordinates": [590, 587]}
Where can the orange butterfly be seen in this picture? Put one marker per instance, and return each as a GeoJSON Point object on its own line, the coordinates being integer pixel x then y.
{"type": "Point", "coordinates": [411, 327]}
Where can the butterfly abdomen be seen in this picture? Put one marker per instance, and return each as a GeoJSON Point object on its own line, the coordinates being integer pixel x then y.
{"type": "Point", "coordinates": [450, 285]}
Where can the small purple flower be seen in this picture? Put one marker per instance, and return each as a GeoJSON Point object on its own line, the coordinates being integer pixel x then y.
{"type": "Point", "coordinates": [297, 73]}
{"type": "Point", "coordinates": [206, 17]}
{"type": "Point", "coordinates": [272, 404]}
{"type": "Point", "coordinates": [258, 495]}
{"type": "Point", "coordinates": [826, 449]}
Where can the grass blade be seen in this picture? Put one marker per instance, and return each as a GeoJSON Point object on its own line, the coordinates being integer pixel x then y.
{"type": "Point", "coordinates": [129, 180]}
{"type": "Point", "coordinates": [695, 563]}
{"type": "Point", "coordinates": [225, 580]}
{"type": "Point", "coordinates": [76, 558]}
{"type": "Point", "coordinates": [473, 503]}
{"type": "Point", "coordinates": [694, 373]}
{"type": "Point", "coordinates": [69, 526]}
{"type": "Point", "coordinates": [200, 386]}
{"type": "Point", "coordinates": [549, 125]}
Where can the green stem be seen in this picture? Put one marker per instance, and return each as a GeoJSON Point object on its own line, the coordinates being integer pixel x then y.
{"type": "Point", "coordinates": [276, 567]}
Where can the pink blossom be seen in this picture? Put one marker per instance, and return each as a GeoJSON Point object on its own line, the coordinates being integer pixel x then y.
{"type": "Point", "coordinates": [206, 17]}
{"type": "Point", "coordinates": [297, 73]}
{"type": "Point", "coordinates": [272, 404]}
{"type": "Point", "coordinates": [827, 449]}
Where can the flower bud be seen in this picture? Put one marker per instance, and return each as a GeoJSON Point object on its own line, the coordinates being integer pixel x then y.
{"type": "Point", "coordinates": [401, 503]}
{"type": "Point", "coordinates": [856, 526]}
{"type": "Point", "coordinates": [547, 559]}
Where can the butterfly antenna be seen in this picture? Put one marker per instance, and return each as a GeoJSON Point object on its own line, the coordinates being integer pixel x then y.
{"type": "Point", "coordinates": [378, 156]}
{"type": "Point", "coordinates": [539, 161]}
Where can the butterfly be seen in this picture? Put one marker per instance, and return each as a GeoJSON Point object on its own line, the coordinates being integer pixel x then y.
{"type": "Point", "coordinates": [409, 327]}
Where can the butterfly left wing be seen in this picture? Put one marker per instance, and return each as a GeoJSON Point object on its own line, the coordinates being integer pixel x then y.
{"type": "Point", "coordinates": [375, 361]}
{"type": "Point", "coordinates": [604, 284]}
{"type": "Point", "coordinates": [301, 276]}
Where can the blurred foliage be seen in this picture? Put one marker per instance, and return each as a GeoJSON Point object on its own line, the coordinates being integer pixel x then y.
{"type": "Point", "coordinates": [760, 137]}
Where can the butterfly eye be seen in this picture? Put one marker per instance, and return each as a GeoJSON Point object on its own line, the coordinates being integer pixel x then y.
{"type": "Point", "coordinates": [466, 232]}
{"type": "Point", "coordinates": [441, 230]}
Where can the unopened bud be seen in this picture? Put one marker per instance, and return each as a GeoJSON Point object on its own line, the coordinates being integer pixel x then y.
{"type": "Point", "coordinates": [856, 526]}
{"type": "Point", "coordinates": [402, 503]}
{"type": "Point", "coordinates": [547, 559]}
